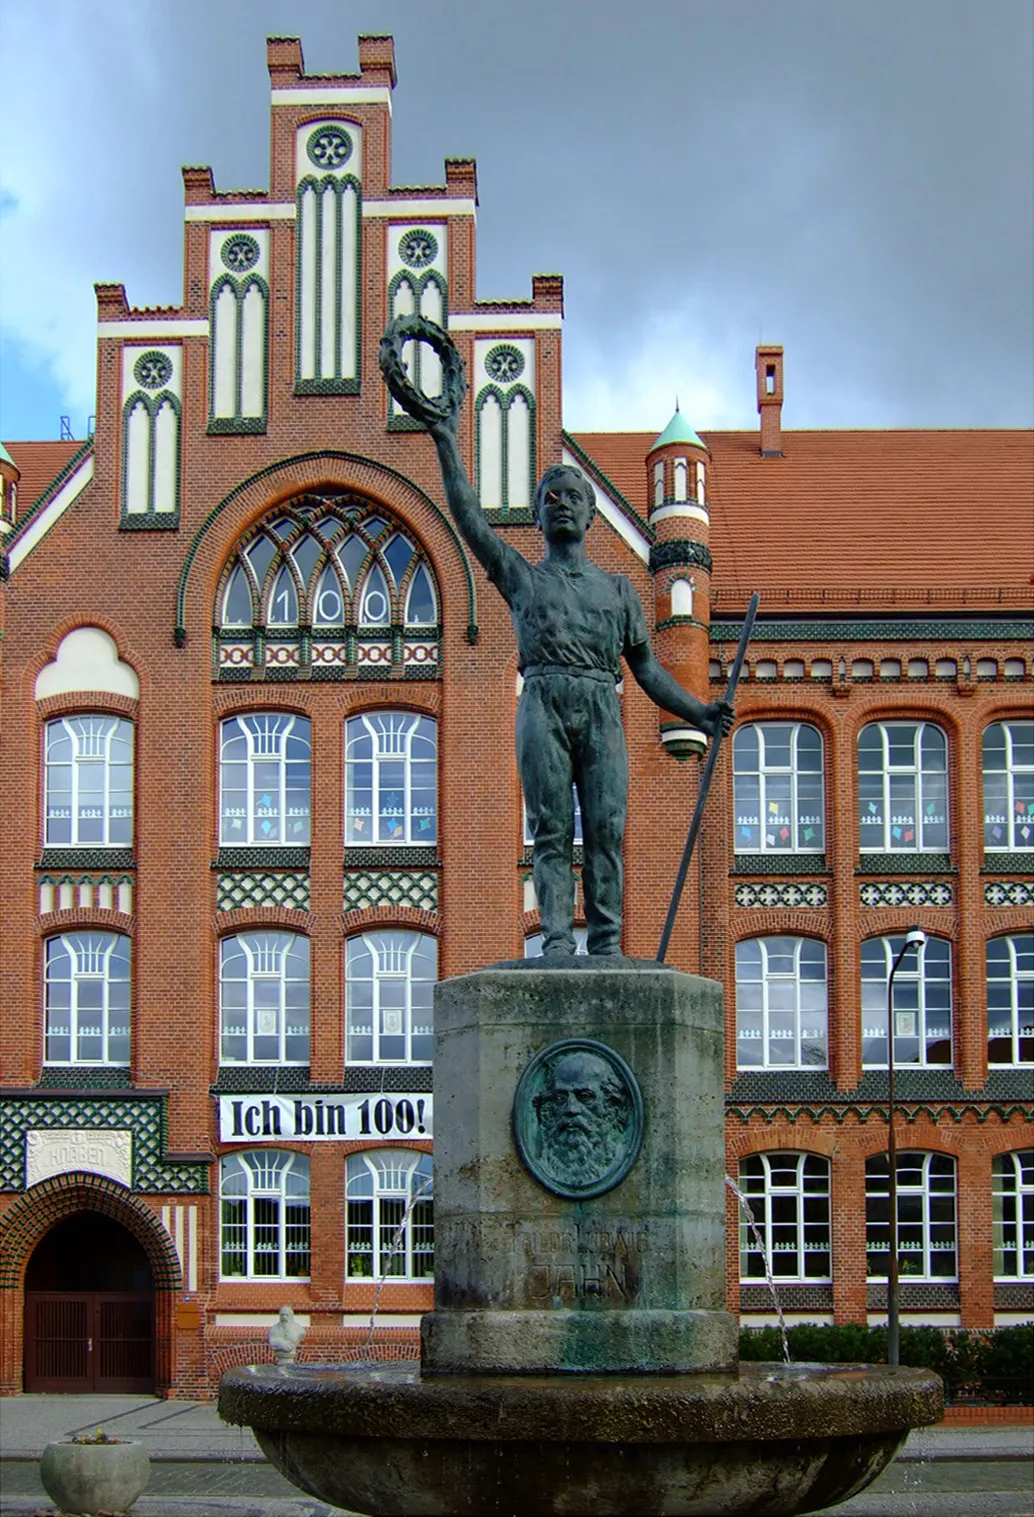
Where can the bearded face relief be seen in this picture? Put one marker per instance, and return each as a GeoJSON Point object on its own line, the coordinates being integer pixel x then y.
{"type": "Point", "coordinates": [578, 1118]}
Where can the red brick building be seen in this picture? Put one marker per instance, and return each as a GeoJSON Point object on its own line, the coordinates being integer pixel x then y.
{"type": "Point", "coordinates": [257, 726]}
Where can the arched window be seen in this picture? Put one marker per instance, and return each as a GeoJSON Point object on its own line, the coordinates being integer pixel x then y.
{"type": "Point", "coordinates": [389, 995]}
{"type": "Point", "coordinates": [778, 792]}
{"type": "Point", "coordinates": [327, 583]}
{"type": "Point", "coordinates": [264, 780]}
{"type": "Point", "coordinates": [927, 1241]}
{"type": "Point", "coordinates": [1009, 786]}
{"type": "Point", "coordinates": [89, 783]}
{"type": "Point", "coordinates": [1010, 999]}
{"type": "Point", "coordinates": [264, 1195]}
{"type": "Point", "coordinates": [1013, 1198]}
{"type": "Point", "coordinates": [264, 998]}
{"type": "Point", "coordinates": [902, 788]}
{"type": "Point", "coordinates": [781, 1004]}
{"type": "Point", "coordinates": [86, 980]}
{"type": "Point", "coordinates": [922, 1002]}
{"type": "Point", "coordinates": [390, 1222]}
{"type": "Point", "coordinates": [391, 779]}
{"type": "Point", "coordinates": [788, 1197]}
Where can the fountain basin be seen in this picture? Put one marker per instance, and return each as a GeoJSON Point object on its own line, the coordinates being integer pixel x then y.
{"type": "Point", "coordinates": [764, 1439]}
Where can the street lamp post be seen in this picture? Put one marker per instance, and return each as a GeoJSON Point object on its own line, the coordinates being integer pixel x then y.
{"type": "Point", "coordinates": [915, 937]}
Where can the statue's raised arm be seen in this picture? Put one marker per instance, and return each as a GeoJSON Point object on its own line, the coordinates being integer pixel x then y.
{"type": "Point", "coordinates": [440, 414]}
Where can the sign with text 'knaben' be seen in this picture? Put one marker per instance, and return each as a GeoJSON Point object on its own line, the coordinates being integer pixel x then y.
{"type": "Point", "coordinates": [385, 1118]}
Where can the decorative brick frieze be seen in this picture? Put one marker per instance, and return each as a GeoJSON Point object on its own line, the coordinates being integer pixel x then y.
{"type": "Point", "coordinates": [144, 1118]}
{"type": "Point", "coordinates": [905, 863]}
{"type": "Point", "coordinates": [814, 895]}
{"type": "Point", "coordinates": [85, 892]}
{"type": "Point", "coordinates": [1009, 893]}
{"type": "Point", "coordinates": [260, 859]}
{"type": "Point", "coordinates": [364, 889]}
{"type": "Point", "coordinates": [284, 889]}
{"type": "Point", "coordinates": [914, 893]}
{"type": "Point", "coordinates": [780, 863]}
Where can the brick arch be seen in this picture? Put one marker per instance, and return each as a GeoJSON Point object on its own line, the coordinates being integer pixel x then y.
{"type": "Point", "coordinates": [278, 482]}
{"type": "Point", "coordinates": [35, 1213]}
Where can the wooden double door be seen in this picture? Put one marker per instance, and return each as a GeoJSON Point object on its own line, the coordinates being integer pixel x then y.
{"type": "Point", "coordinates": [89, 1310]}
{"type": "Point", "coordinates": [89, 1341]}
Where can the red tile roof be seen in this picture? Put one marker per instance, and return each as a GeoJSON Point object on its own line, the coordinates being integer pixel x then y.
{"type": "Point", "coordinates": [901, 517]}
{"type": "Point", "coordinates": [40, 464]}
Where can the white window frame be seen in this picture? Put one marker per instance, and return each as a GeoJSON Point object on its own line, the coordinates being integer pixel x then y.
{"type": "Point", "coordinates": [1012, 1190]}
{"type": "Point", "coordinates": [265, 736]}
{"type": "Point", "coordinates": [392, 735]}
{"type": "Point", "coordinates": [93, 739]}
{"type": "Point", "coordinates": [804, 1021]}
{"type": "Point", "coordinates": [397, 1186]}
{"type": "Point", "coordinates": [923, 780]}
{"type": "Point", "coordinates": [915, 1205]}
{"type": "Point", "coordinates": [266, 1175]}
{"type": "Point", "coordinates": [1020, 1032]}
{"type": "Point", "coordinates": [765, 774]}
{"type": "Point", "coordinates": [781, 1188]}
{"type": "Point", "coordinates": [1017, 776]}
{"type": "Point", "coordinates": [533, 943]}
{"type": "Point", "coordinates": [912, 991]}
{"type": "Point", "coordinates": [277, 962]}
{"type": "Point", "coordinates": [93, 958]}
{"type": "Point", "coordinates": [393, 952]}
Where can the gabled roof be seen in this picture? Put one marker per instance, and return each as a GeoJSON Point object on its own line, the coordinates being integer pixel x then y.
{"type": "Point", "coordinates": [882, 518]}
{"type": "Point", "coordinates": [40, 464]}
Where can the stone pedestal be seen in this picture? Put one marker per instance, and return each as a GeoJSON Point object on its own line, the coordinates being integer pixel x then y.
{"type": "Point", "coordinates": [528, 1280]}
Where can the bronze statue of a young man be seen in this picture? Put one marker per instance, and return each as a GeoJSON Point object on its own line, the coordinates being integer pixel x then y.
{"type": "Point", "coordinates": [574, 622]}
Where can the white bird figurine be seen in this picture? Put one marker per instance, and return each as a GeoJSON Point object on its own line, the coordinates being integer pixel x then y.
{"type": "Point", "coordinates": [285, 1335]}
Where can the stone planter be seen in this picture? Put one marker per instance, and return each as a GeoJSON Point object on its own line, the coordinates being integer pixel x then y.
{"type": "Point", "coordinates": [92, 1478]}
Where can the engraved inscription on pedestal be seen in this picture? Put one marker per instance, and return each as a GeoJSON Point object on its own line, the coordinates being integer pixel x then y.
{"type": "Point", "coordinates": [578, 1118]}
{"type": "Point", "coordinates": [577, 1267]}
{"type": "Point", "coordinates": [56, 1151]}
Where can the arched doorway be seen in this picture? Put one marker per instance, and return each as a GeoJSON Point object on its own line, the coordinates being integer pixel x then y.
{"type": "Point", "coordinates": [89, 1309]}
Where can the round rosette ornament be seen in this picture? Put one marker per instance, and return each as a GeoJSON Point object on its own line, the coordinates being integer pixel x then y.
{"type": "Point", "coordinates": [425, 408]}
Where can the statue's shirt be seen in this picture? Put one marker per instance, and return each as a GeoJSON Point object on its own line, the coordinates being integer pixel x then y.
{"type": "Point", "coordinates": [579, 619]}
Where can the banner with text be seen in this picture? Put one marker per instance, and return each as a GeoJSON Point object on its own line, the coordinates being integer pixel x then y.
{"type": "Point", "coordinates": [386, 1118]}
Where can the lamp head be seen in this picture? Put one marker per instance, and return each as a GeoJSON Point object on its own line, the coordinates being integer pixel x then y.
{"type": "Point", "coordinates": [915, 937]}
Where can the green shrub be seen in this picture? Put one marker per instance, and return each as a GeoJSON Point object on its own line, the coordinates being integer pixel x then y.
{"type": "Point", "coordinates": [995, 1366]}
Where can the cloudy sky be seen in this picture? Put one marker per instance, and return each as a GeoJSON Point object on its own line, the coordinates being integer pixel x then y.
{"type": "Point", "coordinates": [852, 179]}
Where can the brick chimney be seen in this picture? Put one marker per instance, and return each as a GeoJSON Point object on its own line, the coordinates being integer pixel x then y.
{"type": "Point", "coordinates": [768, 364]}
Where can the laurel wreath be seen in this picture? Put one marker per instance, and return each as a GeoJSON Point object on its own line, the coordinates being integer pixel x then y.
{"type": "Point", "coordinates": [414, 402]}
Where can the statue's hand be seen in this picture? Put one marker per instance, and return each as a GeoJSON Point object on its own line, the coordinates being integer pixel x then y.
{"type": "Point", "coordinates": [718, 718]}
{"type": "Point", "coordinates": [436, 412]}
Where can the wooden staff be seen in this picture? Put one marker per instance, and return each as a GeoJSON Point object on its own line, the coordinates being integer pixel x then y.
{"type": "Point", "coordinates": [705, 781]}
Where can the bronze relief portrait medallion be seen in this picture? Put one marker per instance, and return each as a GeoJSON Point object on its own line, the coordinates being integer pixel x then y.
{"type": "Point", "coordinates": [578, 1118]}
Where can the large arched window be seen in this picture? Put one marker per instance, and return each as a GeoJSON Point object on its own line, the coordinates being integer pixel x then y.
{"type": "Point", "coordinates": [328, 582]}
{"type": "Point", "coordinates": [89, 782]}
{"type": "Point", "coordinates": [390, 1221]}
{"type": "Point", "coordinates": [264, 998]}
{"type": "Point", "coordinates": [1010, 999]}
{"type": "Point", "coordinates": [1013, 1197]}
{"type": "Point", "coordinates": [86, 979]}
{"type": "Point", "coordinates": [1009, 786]}
{"type": "Point", "coordinates": [902, 788]}
{"type": "Point", "coordinates": [781, 1003]}
{"type": "Point", "coordinates": [778, 793]}
{"type": "Point", "coordinates": [264, 1215]}
{"type": "Point", "coordinates": [922, 1002]}
{"type": "Point", "coordinates": [389, 994]}
{"type": "Point", "coordinates": [927, 1238]}
{"type": "Point", "coordinates": [788, 1198]}
{"type": "Point", "coordinates": [391, 779]}
{"type": "Point", "coordinates": [265, 771]}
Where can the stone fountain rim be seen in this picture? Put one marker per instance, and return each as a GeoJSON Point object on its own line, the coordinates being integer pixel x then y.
{"type": "Point", "coordinates": [762, 1403]}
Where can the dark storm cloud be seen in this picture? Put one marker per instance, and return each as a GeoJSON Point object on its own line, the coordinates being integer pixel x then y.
{"type": "Point", "coordinates": [853, 180]}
